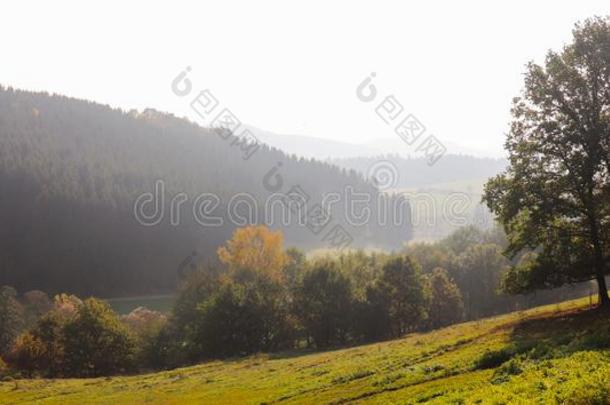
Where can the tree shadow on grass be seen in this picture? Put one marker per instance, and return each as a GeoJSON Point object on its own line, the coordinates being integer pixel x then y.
{"type": "Point", "coordinates": [552, 336]}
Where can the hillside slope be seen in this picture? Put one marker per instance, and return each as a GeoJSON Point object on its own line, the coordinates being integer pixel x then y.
{"type": "Point", "coordinates": [71, 172]}
{"type": "Point", "coordinates": [552, 354]}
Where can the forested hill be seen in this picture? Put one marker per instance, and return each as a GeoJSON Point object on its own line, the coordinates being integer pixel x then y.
{"type": "Point", "coordinates": [71, 171]}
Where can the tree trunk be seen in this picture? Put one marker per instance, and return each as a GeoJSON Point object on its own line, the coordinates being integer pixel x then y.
{"type": "Point", "coordinates": [602, 289]}
{"type": "Point", "coordinates": [604, 300]}
{"type": "Point", "coordinates": [599, 263]}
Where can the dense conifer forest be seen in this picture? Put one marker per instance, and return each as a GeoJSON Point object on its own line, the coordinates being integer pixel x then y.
{"type": "Point", "coordinates": [71, 171]}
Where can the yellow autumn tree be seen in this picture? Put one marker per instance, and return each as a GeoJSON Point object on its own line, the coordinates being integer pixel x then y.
{"type": "Point", "coordinates": [255, 248]}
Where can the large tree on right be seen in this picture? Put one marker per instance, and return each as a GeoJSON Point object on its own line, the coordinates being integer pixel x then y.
{"type": "Point", "coordinates": [554, 198]}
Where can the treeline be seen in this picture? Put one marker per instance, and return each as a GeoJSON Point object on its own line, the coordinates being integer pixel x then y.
{"type": "Point", "coordinates": [71, 171]}
{"type": "Point", "coordinates": [263, 298]}
{"type": "Point", "coordinates": [475, 260]}
{"type": "Point", "coordinates": [70, 337]}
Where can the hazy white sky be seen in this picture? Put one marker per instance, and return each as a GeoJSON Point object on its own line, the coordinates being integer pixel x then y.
{"type": "Point", "coordinates": [293, 67]}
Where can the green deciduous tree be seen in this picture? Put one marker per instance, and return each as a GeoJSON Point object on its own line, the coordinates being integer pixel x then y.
{"type": "Point", "coordinates": [294, 265]}
{"type": "Point", "coordinates": [96, 342]}
{"type": "Point", "coordinates": [446, 305]}
{"type": "Point", "coordinates": [323, 303]}
{"type": "Point", "coordinates": [402, 290]}
{"type": "Point", "coordinates": [554, 198]}
{"type": "Point", "coordinates": [432, 255]}
{"type": "Point", "coordinates": [11, 318]}
{"type": "Point", "coordinates": [480, 271]}
{"type": "Point", "coordinates": [241, 319]}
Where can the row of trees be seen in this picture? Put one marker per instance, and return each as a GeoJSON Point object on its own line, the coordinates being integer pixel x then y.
{"type": "Point", "coordinates": [70, 337]}
{"type": "Point", "coordinates": [266, 298]}
{"type": "Point", "coordinates": [64, 337]}
{"type": "Point", "coordinates": [77, 338]}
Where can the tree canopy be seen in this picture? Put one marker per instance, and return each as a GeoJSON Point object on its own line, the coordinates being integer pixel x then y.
{"type": "Point", "coordinates": [554, 199]}
{"type": "Point", "coordinates": [255, 248]}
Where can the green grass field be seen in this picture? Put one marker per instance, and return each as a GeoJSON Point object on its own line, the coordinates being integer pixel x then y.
{"type": "Point", "coordinates": [552, 354]}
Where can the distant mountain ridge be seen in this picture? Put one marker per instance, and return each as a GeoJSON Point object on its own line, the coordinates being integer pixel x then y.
{"type": "Point", "coordinates": [323, 149]}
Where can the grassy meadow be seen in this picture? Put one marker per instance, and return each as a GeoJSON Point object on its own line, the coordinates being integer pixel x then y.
{"type": "Point", "coordinates": [552, 354]}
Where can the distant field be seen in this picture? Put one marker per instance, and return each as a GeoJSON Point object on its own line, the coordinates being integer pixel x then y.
{"type": "Point", "coordinates": [553, 354]}
{"type": "Point", "coordinates": [442, 208]}
{"type": "Point", "coordinates": [123, 306]}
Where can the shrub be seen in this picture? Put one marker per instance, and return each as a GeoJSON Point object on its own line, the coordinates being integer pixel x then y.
{"type": "Point", "coordinates": [598, 339]}
{"type": "Point", "coordinates": [493, 359]}
{"type": "Point", "coordinates": [585, 392]}
{"type": "Point", "coordinates": [505, 371]}
{"type": "Point", "coordinates": [542, 351]}
{"type": "Point", "coordinates": [356, 375]}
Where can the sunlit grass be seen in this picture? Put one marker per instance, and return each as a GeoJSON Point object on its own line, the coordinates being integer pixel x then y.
{"type": "Point", "coordinates": [552, 354]}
